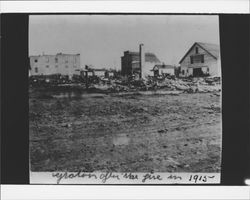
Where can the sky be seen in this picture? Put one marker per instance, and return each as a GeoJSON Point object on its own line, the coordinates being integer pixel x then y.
{"type": "Point", "coordinates": [102, 39]}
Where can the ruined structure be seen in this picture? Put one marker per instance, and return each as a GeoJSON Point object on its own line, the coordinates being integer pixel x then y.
{"type": "Point", "coordinates": [138, 64]}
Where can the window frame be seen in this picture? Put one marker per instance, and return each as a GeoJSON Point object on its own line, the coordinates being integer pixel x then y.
{"type": "Point", "coordinates": [202, 58]}
{"type": "Point", "coordinates": [196, 50]}
{"type": "Point", "coordinates": [199, 57]}
{"type": "Point", "coordinates": [191, 60]}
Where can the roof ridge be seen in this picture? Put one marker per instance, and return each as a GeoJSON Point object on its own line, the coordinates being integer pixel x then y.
{"type": "Point", "coordinates": [212, 51]}
{"type": "Point", "coordinates": [208, 43]}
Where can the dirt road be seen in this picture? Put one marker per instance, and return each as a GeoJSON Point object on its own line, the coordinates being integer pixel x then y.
{"type": "Point", "coordinates": [135, 133]}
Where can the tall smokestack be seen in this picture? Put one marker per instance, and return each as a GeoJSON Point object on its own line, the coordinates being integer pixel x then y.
{"type": "Point", "coordinates": [142, 59]}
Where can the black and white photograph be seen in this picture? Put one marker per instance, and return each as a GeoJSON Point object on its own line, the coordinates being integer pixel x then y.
{"type": "Point", "coordinates": [125, 99]}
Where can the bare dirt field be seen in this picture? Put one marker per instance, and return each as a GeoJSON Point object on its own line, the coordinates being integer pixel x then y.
{"type": "Point", "coordinates": [125, 132]}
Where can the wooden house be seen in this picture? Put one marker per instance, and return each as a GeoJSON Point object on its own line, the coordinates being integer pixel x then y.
{"type": "Point", "coordinates": [202, 59]}
{"type": "Point", "coordinates": [162, 70]}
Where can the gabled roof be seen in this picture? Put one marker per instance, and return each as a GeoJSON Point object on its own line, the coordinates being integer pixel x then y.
{"type": "Point", "coordinates": [150, 57]}
{"type": "Point", "coordinates": [163, 66]}
{"type": "Point", "coordinates": [211, 49]}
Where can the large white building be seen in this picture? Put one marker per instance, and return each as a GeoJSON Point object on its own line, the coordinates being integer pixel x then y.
{"type": "Point", "coordinates": [64, 64]}
{"type": "Point", "coordinates": [201, 59]}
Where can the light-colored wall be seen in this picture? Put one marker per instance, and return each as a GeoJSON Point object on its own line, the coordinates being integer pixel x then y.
{"type": "Point", "coordinates": [148, 66]}
{"type": "Point", "coordinates": [131, 64]}
{"type": "Point", "coordinates": [66, 65]}
{"type": "Point", "coordinates": [209, 62]}
{"type": "Point", "coordinates": [166, 71]}
{"type": "Point", "coordinates": [100, 73]}
{"type": "Point", "coordinates": [111, 73]}
{"type": "Point", "coordinates": [90, 73]}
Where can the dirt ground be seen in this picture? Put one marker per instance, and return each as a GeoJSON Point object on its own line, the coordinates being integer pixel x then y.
{"type": "Point", "coordinates": [125, 133]}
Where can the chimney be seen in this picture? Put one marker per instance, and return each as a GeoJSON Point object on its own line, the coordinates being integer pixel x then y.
{"type": "Point", "coordinates": [142, 59]}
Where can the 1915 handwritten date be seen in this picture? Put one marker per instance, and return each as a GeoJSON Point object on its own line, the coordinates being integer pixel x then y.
{"type": "Point", "coordinates": [199, 178]}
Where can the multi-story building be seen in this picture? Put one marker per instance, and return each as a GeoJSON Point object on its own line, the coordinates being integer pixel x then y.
{"type": "Point", "coordinates": [64, 64]}
{"type": "Point", "coordinates": [138, 63]}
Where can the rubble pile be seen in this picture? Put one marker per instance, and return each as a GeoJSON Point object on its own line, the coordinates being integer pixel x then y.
{"type": "Point", "coordinates": [121, 86]}
{"type": "Point", "coordinates": [191, 85]}
{"type": "Point", "coordinates": [187, 85]}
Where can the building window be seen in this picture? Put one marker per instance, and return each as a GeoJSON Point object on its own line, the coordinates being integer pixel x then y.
{"type": "Point", "coordinates": [66, 61]}
{"type": "Point", "coordinates": [183, 72]}
{"type": "Point", "coordinates": [35, 60]}
{"type": "Point", "coordinates": [66, 66]}
{"type": "Point", "coordinates": [47, 66]}
{"type": "Point", "coordinates": [56, 60]}
{"type": "Point", "coordinates": [36, 70]}
{"type": "Point", "coordinates": [56, 66]}
{"type": "Point", "coordinates": [187, 70]}
{"type": "Point", "coordinates": [197, 59]}
{"type": "Point", "coordinates": [196, 50]}
{"type": "Point", "coordinates": [191, 60]}
{"type": "Point", "coordinates": [207, 69]}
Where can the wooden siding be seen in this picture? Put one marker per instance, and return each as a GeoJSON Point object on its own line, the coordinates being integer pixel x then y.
{"type": "Point", "coordinates": [209, 62]}
{"type": "Point", "coordinates": [166, 71]}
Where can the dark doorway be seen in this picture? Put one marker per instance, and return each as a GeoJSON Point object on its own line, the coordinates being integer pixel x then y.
{"type": "Point", "coordinates": [197, 72]}
{"type": "Point", "coordinates": [156, 73]}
